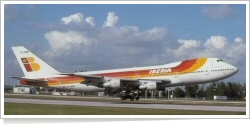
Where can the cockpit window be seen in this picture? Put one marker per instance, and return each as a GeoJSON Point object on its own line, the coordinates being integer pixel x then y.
{"type": "Point", "coordinates": [219, 60]}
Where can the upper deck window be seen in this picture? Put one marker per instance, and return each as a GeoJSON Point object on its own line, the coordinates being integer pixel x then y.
{"type": "Point", "coordinates": [219, 60]}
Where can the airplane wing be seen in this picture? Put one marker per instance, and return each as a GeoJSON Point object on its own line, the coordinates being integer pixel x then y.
{"type": "Point", "coordinates": [98, 80]}
{"type": "Point", "coordinates": [88, 79]}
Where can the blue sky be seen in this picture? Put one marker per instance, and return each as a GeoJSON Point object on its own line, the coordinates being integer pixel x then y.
{"type": "Point", "coordinates": [93, 37]}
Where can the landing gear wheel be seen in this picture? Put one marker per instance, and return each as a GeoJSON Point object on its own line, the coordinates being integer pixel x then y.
{"type": "Point", "coordinates": [122, 98]}
{"type": "Point", "coordinates": [131, 99]}
{"type": "Point", "coordinates": [137, 98]}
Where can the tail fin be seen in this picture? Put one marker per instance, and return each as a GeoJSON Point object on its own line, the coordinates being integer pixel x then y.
{"type": "Point", "coordinates": [32, 66]}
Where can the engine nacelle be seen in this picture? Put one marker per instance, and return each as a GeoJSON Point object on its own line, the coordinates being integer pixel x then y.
{"type": "Point", "coordinates": [148, 85]}
{"type": "Point", "coordinates": [112, 83]}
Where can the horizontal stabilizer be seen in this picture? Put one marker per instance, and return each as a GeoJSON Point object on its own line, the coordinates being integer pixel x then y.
{"type": "Point", "coordinates": [27, 79]}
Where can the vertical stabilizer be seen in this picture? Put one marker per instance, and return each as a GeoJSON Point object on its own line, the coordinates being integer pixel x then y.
{"type": "Point", "coordinates": [32, 66]}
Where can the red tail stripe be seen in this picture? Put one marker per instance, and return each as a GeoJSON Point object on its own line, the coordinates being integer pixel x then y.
{"type": "Point", "coordinates": [28, 67]}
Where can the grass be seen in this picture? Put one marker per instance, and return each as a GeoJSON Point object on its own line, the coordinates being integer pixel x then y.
{"type": "Point", "coordinates": [46, 109]}
{"type": "Point", "coordinates": [141, 101]}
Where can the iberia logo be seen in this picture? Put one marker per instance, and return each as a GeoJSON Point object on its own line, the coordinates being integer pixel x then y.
{"type": "Point", "coordinates": [30, 65]}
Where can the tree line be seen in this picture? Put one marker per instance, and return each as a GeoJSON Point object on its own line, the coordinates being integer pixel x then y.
{"type": "Point", "coordinates": [230, 89]}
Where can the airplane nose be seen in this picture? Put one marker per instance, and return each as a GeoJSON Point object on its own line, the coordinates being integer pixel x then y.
{"type": "Point", "coordinates": [236, 69]}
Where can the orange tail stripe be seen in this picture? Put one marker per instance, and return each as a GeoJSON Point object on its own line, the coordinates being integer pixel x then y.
{"type": "Point", "coordinates": [184, 65]}
{"type": "Point", "coordinates": [199, 63]}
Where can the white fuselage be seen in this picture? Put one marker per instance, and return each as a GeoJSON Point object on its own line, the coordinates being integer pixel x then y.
{"type": "Point", "coordinates": [213, 69]}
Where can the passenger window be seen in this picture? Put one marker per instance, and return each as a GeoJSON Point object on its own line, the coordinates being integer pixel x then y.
{"type": "Point", "coordinates": [219, 60]}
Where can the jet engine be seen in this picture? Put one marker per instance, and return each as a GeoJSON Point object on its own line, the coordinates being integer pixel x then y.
{"type": "Point", "coordinates": [148, 85]}
{"type": "Point", "coordinates": [112, 83]}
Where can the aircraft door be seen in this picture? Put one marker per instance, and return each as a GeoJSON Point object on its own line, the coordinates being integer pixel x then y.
{"type": "Point", "coordinates": [211, 62]}
{"type": "Point", "coordinates": [207, 72]}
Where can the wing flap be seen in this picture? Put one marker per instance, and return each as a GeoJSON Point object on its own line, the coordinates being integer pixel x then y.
{"type": "Point", "coordinates": [83, 75]}
{"type": "Point", "coordinates": [158, 81]}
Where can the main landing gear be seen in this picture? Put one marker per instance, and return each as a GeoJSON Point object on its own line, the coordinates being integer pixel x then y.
{"type": "Point", "coordinates": [132, 95]}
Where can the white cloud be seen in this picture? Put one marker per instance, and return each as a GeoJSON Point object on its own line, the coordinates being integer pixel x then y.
{"type": "Point", "coordinates": [187, 47]}
{"type": "Point", "coordinates": [216, 42]}
{"type": "Point", "coordinates": [117, 40]}
{"type": "Point", "coordinates": [236, 51]}
{"type": "Point", "coordinates": [129, 35]}
{"type": "Point", "coordinates": [112, 19]}
{"type": "Point", "coordinates": [78, 17]}
{"type": "Point", "coordinates": [58, 40]}
{"type": "Point", "coordinates": [189, 43]}
{"type": "Point", "coordinates": [106, 46]}
{"type": "Point", "coordinates": [90, 20]}
{"type": "Point", "coordinates": [215, 46]}
{"type": "Point", "coordinates": [154, 34]}
{"type": "Point", "coordinates": [238, 40]}
{"type": "Point", "coordinates": [218, 11]}
{"type": "Point", "coordinates": [127, 46]}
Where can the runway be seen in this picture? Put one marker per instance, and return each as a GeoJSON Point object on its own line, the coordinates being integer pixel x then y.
{"type": "Point", "coordinates": [128, 105]}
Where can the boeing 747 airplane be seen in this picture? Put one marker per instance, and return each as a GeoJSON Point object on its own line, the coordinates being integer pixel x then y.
{"type": "Point", "coordinates": [128, 81]}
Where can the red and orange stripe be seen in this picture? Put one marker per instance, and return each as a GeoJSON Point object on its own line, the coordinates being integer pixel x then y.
{"type": "Point", "coordinates": [184, 66]}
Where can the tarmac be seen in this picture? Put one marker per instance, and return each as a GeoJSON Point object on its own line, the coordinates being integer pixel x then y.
{"type": "Point", "coordinates": [128, 105]}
